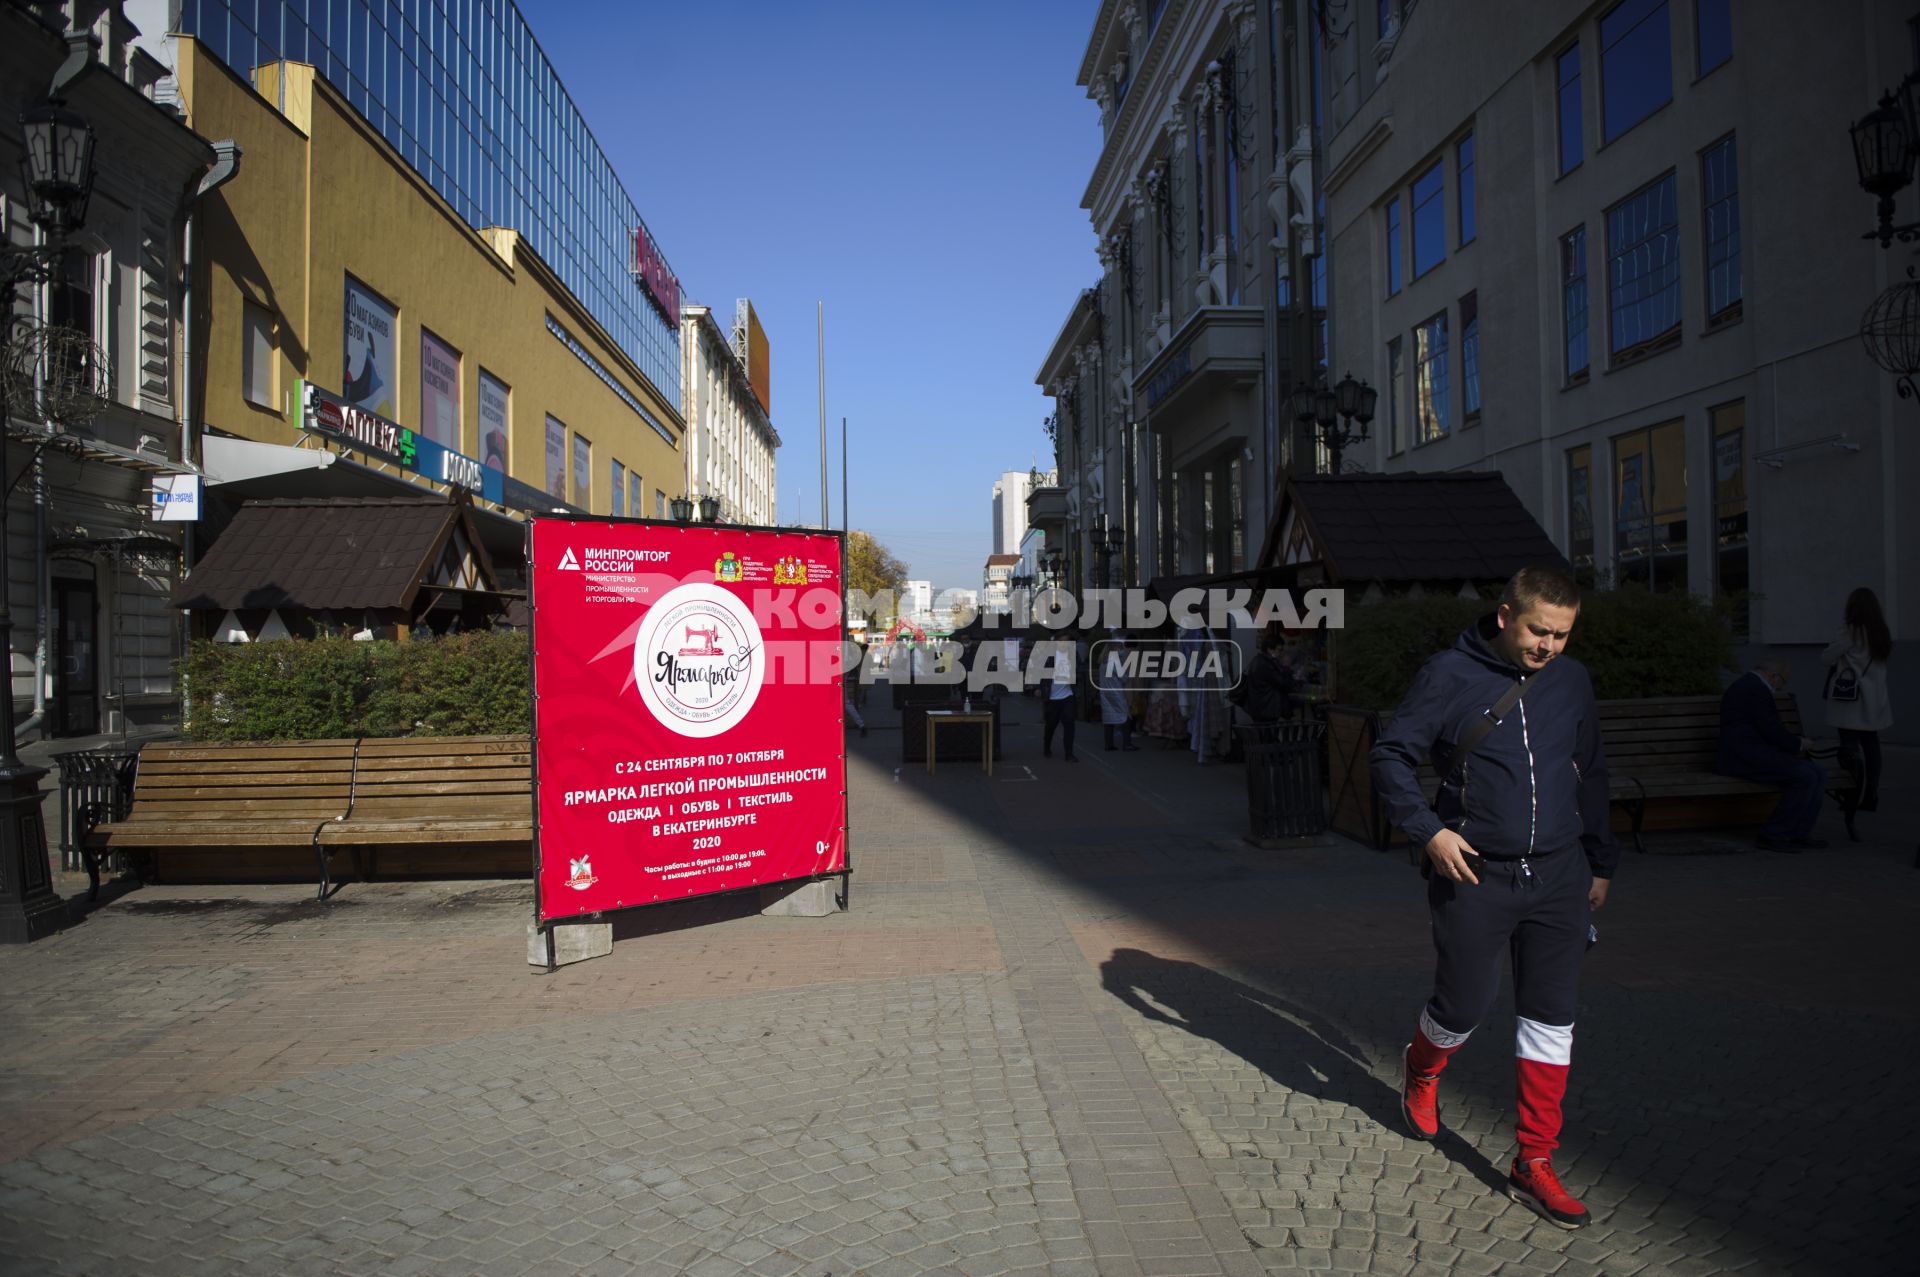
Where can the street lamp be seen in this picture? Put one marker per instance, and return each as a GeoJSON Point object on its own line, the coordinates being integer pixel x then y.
{"type": "Point", "coordinates": [1883, 150]}
{"type": "Point", "coordinates": [709, 509]}
{"type": "Point", "coordinates": [1340, 414]}
{"type": "Point", "coordinates": [1111, 548]}
{"type": "Point", "coordinates": [57, 172]}
{"type": "Point", "coordinates": [1055, 564]}
{"type": "Point", "coordinates": [682, 509]}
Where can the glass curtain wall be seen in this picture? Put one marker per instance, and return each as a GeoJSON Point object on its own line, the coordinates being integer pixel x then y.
{"type": "Point", "coordinates": [462, 89]}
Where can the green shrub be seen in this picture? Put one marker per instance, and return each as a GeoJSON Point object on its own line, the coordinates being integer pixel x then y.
{"type": "Point", "coordinates": [300, 689]}
{"type": "Point", "coordinates": [1633, 642]}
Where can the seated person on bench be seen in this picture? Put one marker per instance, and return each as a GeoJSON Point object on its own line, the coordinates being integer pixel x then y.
{"type": "Point", "coordinates": [1755, 746]}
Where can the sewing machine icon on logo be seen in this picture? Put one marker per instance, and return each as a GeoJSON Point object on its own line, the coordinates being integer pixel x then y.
{"type": "Point", "coordinates": [709, 641]}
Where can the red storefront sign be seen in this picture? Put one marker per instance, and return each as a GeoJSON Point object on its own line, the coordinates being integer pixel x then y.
{"type": "Point", "coordinates": [687, 711]}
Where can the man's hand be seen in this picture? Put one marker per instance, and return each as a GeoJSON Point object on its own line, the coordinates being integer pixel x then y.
{"type": "Point", "coordinates": [1448, 852]}
{"type": "Point", "coordinates": [1597, 893]}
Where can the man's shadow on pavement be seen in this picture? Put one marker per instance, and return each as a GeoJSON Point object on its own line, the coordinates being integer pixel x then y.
{"type": "Point", "coordinates": [1292, 1044]}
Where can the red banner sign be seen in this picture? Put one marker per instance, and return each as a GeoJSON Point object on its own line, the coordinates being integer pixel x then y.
{"type": "Point", "coordinates": [687, 711]}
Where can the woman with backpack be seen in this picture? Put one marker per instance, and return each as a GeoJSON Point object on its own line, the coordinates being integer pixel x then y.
{"type": "Point", "coordinates": [1856, 688]}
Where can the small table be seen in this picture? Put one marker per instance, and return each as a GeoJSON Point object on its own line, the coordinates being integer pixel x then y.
{"type": "Point", "coordinates": [936, 717]}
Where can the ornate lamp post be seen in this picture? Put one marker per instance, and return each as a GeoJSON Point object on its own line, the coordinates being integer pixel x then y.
{"type": "Point", "coordinates": [1112, 548]}
{"type": "Point", "coordinates": [1883, 151]}
{"type": "Point", "coordinates": [709, 509]}
{"type": "Point", "coordinates": [682, 509]}
{"type": "Point", "coordinates": [58, 169]}
{"type": "Point", "coordinates": [1339, 414]}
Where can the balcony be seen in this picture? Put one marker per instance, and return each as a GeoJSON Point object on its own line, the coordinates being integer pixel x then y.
{"type": "Point", "coordinates": [1218, 347]}
{"type": "Point", "coordinates": [1047, 509]}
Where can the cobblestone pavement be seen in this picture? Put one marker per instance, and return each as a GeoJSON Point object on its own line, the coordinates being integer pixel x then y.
{"type": "Point", "coordinates": [1072, 1024]}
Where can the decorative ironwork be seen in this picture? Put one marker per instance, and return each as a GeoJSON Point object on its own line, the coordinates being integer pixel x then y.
{"type": "Point", "coordinates": [1890, 331]}
{"type": "Point", "coordinates": [56, 374]}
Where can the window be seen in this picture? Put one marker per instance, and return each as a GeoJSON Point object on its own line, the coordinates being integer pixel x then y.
{"type": "Point", "coordinates": [1580, 512]}
{"type": "Point", "coordinates": [1429, 220]}
{"type": "Point", "coordinates": [1650, 494]}
{"type": "Point", "coordinates": [1396, 395]}
{"type": "Point", "coordinates": [1430, 380]}
{"type": "Point", "coordinates": [1469, 215]}
{"type": "Point", "coordinates": [256, 354]}
{"type": "Point", "coordinates": [1572, 141]}
{"type": "Point", "coordinates": [1712, 34]}
{"type": "Point", "coordinates": [582, 471]}
{"type": "Point", "coordinates": [636, 497]}
{"type": "Point", "coordinates": [70, 306]}
{"type": "Point", "coordinates": [1643, 272]}
{"type": "Point", "coordinates": [1573, 301]}
{"type": "Point", "coordinates": [618, 480]}
{"type": "Point", "coordinates": [659, 504]}
{"type": "Point", "coordinates": [1200, 184]}
{"type": "Point", "coordinates": [1720, 187]}
{"type": "Point", "coordinates": [1393, 246]}
{"type": "Point", "coordinates": [439, 391]}
{"type": "Point", "coordinates": [556, 458]}
{"type": "Point", "coordinates": [1730, 508]}
{"type": "Point", "coordinates": [1470, 359]}
{"type": "Point", "coordinates": [493, 421]}
{"type": "Point", "coordinates": [1636, 64]}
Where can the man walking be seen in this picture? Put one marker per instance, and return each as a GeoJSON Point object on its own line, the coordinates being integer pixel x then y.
{"type": "Point", "coordinates": [1518, 853]}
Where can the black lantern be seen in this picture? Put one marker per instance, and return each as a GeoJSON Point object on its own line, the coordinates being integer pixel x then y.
{"type": "Point", "coordinates": [709, 509]}
{"type": "Point", "coordinates": [1116, 539]}
{"type": "Point", "coordinates": [682, 509]}
{"type": "Point", "coordinates": [1883, 149]}
{"type": "Point", "coordinates": [58, 167]}
{"type": "Point", "coordinates": [1303, 402]}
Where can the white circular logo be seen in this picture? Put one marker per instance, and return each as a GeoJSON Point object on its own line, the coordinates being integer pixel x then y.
{"type": "Point", "coordinates": [698, 660]}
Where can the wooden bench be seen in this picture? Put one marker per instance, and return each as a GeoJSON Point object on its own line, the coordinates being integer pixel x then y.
{"type": "Point", "coordinates": [1660, 757]}
{"type": "Point", "coordinates": [1662, 750]}
{"type": "Point", "coordinates": [328, 796]}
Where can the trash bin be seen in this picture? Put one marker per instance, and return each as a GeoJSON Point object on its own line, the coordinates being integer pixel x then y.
{"type": "Point", "coordinates": [1285, 795]}
{"type": "Point", "coordinates": [95, 783]}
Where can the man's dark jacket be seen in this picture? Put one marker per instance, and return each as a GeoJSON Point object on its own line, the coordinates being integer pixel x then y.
{"type": "Point", "coordinates": [1535, 785]}
{"type": "Point", "coordinates": [1752, 739]}
{"type": "Point", "coordinates": [1269, 687]}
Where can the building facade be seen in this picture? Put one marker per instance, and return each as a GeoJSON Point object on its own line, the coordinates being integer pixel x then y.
{"type": "Point", "coordinates": [360, 337]}
{"type": "Point", "coordinates": [87, 567]}
{"type": "Point", "coordinates": [730, 438]}
{"type": "Point", "coordinates": [1623, 266]}
{"type": "Point", "coordinates": [1010, 510]}
{"type": "Point", "coordinates": [461, 91]}
{"type": "Point", "coordinates": [996, 583]}
{"type": "Point", "coordinates": [1168, 372]}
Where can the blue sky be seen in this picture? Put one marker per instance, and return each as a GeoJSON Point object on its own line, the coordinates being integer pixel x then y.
{"type": "Point", "coordinates": [917, 167]}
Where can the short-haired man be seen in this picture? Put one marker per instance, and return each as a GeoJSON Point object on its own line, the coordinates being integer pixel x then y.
{"type": "Point", "coordinates": [1518, 852]}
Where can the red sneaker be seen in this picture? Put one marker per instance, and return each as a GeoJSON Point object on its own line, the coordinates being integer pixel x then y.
{"type": "Point", "coordinates": [1532, 1183]}
{"type": "Point", "coordinates": [1419, 1099]}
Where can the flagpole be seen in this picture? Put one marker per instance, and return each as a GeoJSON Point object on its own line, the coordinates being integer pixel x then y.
{"type": "Point", "coordinates": [820, 322]}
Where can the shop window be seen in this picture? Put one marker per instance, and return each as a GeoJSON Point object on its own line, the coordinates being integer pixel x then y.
{"type": "Point", "coordinates": [1643, 272]}
{"type": "Point", "coordinates": [1580, 512]}
{"type": "Point", "coordinates": [1720, 193]}
{"type": "Point", "coordinates": [1393, 246]}
{"type": "Point", "coordinates": [1470, 359]}
{"type": "Point", "coordinates": [1396, 395]}
{"type": "Point", "coordinates": [1430, 417]}
{"type": "Point", "coordinates": [1731, 580]}
{"type": "Point", "coordinates": [256, 354]}
{"type": "Point", "coordinates": [582, 472]}
{"type": "Point", "coordinates": [1712, 34]}
{"type": "Point", "coordinates": [1636, 64]}
{"type": "Point", "coordinates": [617, 480]}
{"type": "Point", "coordinates": [1573, 303]}
{"type": "Point", "coordinates": [1650, 507]}
{"type": "Point", "coordinates": [1570, 108]}
{"type": "Point", "coordinates": [1469, 211]}
{"type": "Point", "coordinates": [556, 458]}
{"type": "Point", "coordinates": [1429, 220]}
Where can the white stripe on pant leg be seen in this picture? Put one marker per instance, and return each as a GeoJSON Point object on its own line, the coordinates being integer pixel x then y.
{"type": "Point", "coordinates": [1546, 1043]}
{"type": "Point", "coordinates": [1445, 1039]}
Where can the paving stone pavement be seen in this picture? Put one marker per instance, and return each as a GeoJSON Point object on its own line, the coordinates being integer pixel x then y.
{"type": "Point", "coordinates": [1071, 1024]}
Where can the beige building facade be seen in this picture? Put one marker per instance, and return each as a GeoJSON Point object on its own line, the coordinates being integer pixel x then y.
{"type": "Point", "coordinates": [730, 438]}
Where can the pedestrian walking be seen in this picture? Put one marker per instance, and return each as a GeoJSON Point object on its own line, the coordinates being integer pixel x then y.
{"type": "Point", "coordinates": [1517, 852]}
{"type": "Point", "coordinates": [1062, 705]}
{"type": "Point", "coordinates": [1116, 714]}
{"type": "Point", "coordinates": [1858, 707]}
{"type": "Point", "coordinates": [1755, 745]}
{"type": "Point", "coordinates": [1266, 692]}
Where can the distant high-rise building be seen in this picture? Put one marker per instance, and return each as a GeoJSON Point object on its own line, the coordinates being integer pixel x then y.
{"type": "Point", "coordinates": [1010, 511]}
{"type": "Point", "coordinates": [916, 602]}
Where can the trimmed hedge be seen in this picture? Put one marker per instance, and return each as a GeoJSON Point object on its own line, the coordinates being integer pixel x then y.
{"type": "Point", "coordinates": [1633, 642]}
{"type": "Point", "coordinates": [317, 689]}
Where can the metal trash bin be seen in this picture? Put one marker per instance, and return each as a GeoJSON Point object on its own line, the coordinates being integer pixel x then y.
{"type": "Point", "coordinates": [1286, 797]}
{"type": "Point", "coordinates": [96, 783]}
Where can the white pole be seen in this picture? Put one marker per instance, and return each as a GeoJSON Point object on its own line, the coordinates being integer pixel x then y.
{"type": "Point", "coordinates": [820, 321]}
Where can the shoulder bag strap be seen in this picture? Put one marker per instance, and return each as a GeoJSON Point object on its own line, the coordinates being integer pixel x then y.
{"type": "Point", "coordinates": [1484, 725]}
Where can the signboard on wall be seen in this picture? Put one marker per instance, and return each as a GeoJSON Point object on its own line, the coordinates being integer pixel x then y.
{"type": "Point", "coordinates": [650, 270]}
{"type": "Point", "coordinates": [176, 498]}
{"type": "Point", "coordinates": [687, 710]}
{"type": "Point", "coordinates": [439, 391]}
{"type": "Point", "coordinates": [369, 377]}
